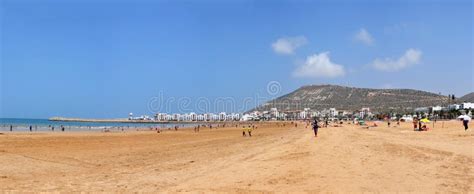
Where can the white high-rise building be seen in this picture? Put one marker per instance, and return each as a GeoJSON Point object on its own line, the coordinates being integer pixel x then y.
{"type": "Point", "coordinates": [192, 116]}
{"type": "Point", "coordinates": [274, 113]}
{"type": "Point", "coordinates": [200, 117]}
{"type": "Point", "coordinates": [332, 112]}
{"type": "Point", "coordinates": [364, 112]}
{"type": "Point", "coordinates": [214, 117]}
{"type": "Point", "coordinates": [222, 116]}
{"type": "Point", "coordinates": [466, 105]}
{"type": "Point", "coordinates": [453, 107]}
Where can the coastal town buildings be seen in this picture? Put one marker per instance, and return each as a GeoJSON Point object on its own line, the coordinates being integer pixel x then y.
{"type": "Point", "coordinates": [188, 117]}
{"type": "Point", "coordinates": [275, 114]}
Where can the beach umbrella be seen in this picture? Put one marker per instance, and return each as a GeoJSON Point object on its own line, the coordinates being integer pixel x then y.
{"type": "Point", "coordinates": [464, 117]}
{"type": "Point", "coordinates": [425, 120]}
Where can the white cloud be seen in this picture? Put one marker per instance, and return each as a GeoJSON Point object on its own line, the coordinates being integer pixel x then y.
{"type": "Point", "coordinates": [364, 37]}
{"type": "Point", "coordinates": [319, 65]}
{"type": "Point", "coordinates": [288, 45]}
{"type": "Point", "coordinates": [411, 57]}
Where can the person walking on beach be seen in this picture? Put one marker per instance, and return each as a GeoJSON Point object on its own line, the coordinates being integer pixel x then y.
{"type": "Point", "coordinates": [243, 131]}
{"type": "Point", "coordinates": [315, 127]}
{"type": "Point", "coordinates": [249, 130]}
{"type": "Point", "coordinates": [465, 122]}
{"type": "Point", "coordinates": [419, 125]}
{"type": "Point", "coordinates": [62, 128]}
{"type": "Point", "coordinates": [31, 128]}
{"type": "Point", "coordinates": [11, 127]}
{"type": "Point", "coordinates": [415, 124]}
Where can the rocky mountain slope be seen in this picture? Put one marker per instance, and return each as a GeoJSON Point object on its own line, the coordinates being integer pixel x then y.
{"type": "Point", "coordinates": [467, 98]}
{"type": "Point", "coordinates": [318, 97]}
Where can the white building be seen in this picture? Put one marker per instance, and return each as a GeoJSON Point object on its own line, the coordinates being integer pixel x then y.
{"type": "Point", "coordinates": [453, 107]}
{"type": "Point", "coordinates": [315, 114]}
{"type": "Point", "coordinates": [305, 114]}
{"type": "Point", "coordinates": [364, 112]}
{"type": "Point", "coordinates": [274, 113]}
{"type": "Point", "coordinates": [235, 116]}
{"type": "Point", "coordinates": [407, 118]}
{"type": "Point", "coordinates": [466, 105]}
{"type": "Point", "coordinates": [332, 112]}
{"type": "Point", "coordinates": [161, 117]}
{"type": "Point", "coordinates": [200, 117]}
{"type": "Point", "coordinates": [193, 116]}
{"type": "Point", "coordinates": [302, 115]}
{"type": "Point", "coordinates": [176, 117]}
{"type": "Point", "coordinates": [436, 108]}
{"type": "Point", "coordinates": [247, 117]}
{"type": "Point", "coordinates": [214, 117]}
{"type": "Point", "coordinates": [222, 116]}
{"type": "Point", "coordinates": [422, 110]}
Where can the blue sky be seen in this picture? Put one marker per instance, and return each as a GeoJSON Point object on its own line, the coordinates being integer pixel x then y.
{"type": "Point", "coordinates": [108, 58]}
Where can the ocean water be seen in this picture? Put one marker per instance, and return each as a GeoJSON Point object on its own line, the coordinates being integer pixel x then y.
{"type": "Point", "coordinates": [46, 125]}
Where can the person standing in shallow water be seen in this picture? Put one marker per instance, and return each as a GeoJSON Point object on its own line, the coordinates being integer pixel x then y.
{"type": "Point", "coordinates": [11, 127]}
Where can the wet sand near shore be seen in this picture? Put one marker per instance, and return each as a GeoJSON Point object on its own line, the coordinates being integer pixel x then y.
{"type": "Point", "coordinates": [275, 159]}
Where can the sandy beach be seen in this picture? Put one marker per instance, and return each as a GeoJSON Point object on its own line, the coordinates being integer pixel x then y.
{"type": "Point", "coordinates": [275, 159]}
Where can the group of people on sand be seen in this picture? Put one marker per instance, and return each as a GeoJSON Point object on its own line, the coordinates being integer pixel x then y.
{"type": "Point", "coordinates": [247, 129]}
{"type": "Point", "coordinates": [418, 125]}
{"type": "Point", "coordinates": [197, 128]}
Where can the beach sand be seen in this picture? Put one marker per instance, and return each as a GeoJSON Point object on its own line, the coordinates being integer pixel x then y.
{"type": "Point", "coordinates": [275, 159]}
